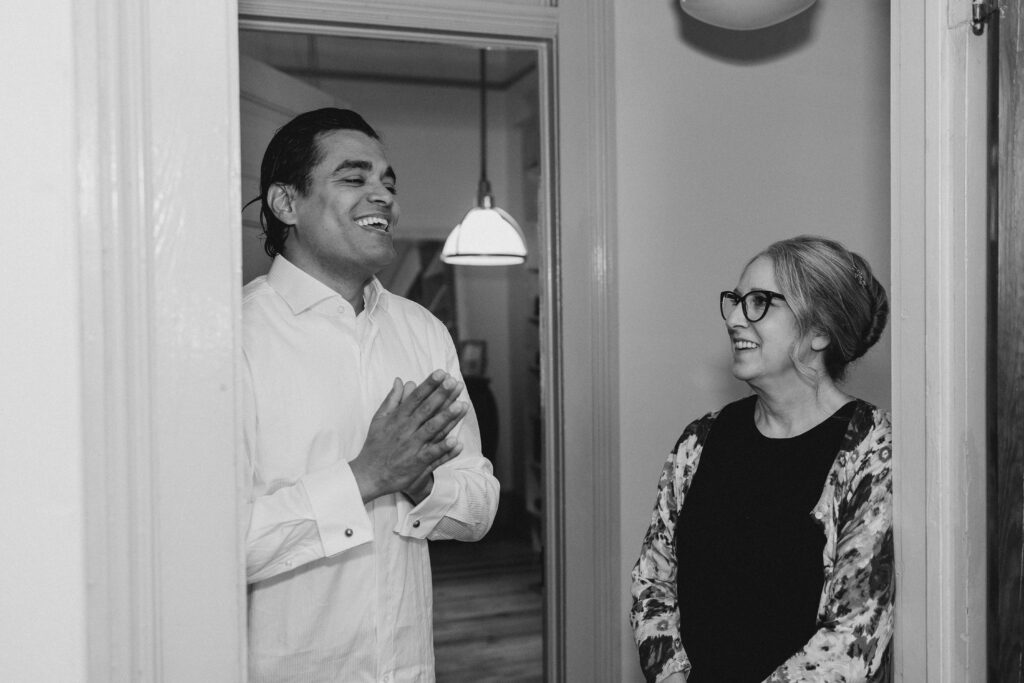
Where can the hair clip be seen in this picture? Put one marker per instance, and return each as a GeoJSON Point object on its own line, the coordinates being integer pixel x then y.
{"type": "Point", "coordinates": [859, 274]}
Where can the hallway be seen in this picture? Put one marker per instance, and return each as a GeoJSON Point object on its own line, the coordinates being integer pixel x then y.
{"type": "Point", "coordinates": [488, 611]}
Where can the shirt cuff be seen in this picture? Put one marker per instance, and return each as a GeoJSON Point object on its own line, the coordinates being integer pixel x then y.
{"type": "Point", "coordinates": [338, 508]}
{"type": "Point", "coordinates": [422, 519]}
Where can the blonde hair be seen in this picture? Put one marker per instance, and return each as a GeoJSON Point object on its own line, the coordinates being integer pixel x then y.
{"type": "Point", "coordinates": [833, 292]}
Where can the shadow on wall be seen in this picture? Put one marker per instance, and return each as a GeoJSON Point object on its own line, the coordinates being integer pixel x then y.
{"type": "Point", "coordinates": [744, 47]}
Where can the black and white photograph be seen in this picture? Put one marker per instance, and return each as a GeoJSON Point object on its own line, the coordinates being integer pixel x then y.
{"type": "Point", "coordinates": [513, 341]}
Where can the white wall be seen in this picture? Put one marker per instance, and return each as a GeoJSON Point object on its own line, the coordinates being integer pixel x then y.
{"type": "Point", "coordinates": [42, 604]}
{"type": "Point", "coordinates": [727, 142]}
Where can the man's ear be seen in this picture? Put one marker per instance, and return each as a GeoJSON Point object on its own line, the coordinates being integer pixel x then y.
{"type": "Point", "coordinates": [280, 199]}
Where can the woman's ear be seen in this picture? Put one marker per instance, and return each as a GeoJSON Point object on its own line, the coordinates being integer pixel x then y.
{"type": "Point", "coordinates": [819, 342]}
{"type": "Point", "coordinates": [279, 198]}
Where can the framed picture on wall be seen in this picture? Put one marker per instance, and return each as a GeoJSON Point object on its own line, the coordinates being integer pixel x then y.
{"type": "Point", "coordinates": [473, 357]}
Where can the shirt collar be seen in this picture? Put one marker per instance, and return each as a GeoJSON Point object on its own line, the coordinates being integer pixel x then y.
{"type": "Point", "coordinates": [301, 291]}
{"type": "Point", "coordinates": [375, 296]}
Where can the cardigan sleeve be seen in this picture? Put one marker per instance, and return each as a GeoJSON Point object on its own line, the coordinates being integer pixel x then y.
{"type": "Point", "coordinates": [655, 612]}
{"type": "Point", "coordinates": [855, 617]}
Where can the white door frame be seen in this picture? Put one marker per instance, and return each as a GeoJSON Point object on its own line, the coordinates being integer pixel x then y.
{"type": "Point", "coordinates": [161, 223]}
{"type": "Point", "coordinates": [533, 30]}
{"type": "Point", "coordinates": [158, 207]}
{"type": "Point", "coordinates": [159, 215]}
{"type": "Point", "coordinates": [939, 278]}
{"type": "Point", "coordinates": [577, 389]}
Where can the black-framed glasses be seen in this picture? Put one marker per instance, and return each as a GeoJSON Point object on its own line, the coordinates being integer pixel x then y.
{"type": "Point", "coordinates": [755, 303]}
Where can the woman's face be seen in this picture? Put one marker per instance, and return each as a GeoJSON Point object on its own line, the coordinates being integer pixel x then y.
{"type": "Point", "coordinates": [763, 351]}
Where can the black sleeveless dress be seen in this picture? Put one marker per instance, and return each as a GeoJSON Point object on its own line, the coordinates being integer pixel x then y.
{"type": "Point", "coordinates": [748, 550]}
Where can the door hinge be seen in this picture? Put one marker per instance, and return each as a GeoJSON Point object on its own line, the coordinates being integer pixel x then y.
{"type": "Point", "coordinates": [981, 13]}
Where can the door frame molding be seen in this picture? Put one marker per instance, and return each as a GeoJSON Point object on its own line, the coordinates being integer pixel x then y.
{"type": "Point", "coordinates": [939, 289]}
{"type": "Point", "coordinates": [579, 390]}
{"type": "Point", "coordinates": [157, 198]}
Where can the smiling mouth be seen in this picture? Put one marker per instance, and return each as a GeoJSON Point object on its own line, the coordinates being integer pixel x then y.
{"type": "Point", "coordinates": [378, 223]}
{"type": "Point", "coordinates": [743, 345]}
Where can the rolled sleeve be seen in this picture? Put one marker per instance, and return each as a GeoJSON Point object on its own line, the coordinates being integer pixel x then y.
{"type": "Point", "coordinates": [337, 505]}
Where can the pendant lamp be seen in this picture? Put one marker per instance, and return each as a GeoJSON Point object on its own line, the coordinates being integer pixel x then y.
{"type": "Point", "coordinates": [743, 15]}
{"type": "Point", "coordinates": [487, 236]}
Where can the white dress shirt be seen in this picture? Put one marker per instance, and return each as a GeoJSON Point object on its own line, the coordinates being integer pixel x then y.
{"type": "Point", "coordinates": [340, 591]}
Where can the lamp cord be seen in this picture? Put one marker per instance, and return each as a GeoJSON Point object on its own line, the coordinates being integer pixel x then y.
{"type": "Point", "coordinates": [485, 185]}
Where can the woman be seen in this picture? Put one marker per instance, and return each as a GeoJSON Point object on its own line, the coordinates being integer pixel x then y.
{"type": "Point", "coordinates": [773, 560]}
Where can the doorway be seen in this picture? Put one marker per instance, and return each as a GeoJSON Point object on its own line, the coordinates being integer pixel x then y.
{"type": "Point", "coordinates": [490, 597]}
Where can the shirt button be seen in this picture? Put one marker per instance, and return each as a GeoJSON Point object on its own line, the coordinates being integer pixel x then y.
{"type": "Point", "coordinates": [348, 532]}
{"type": "Point", "coordinates": [416, 524]}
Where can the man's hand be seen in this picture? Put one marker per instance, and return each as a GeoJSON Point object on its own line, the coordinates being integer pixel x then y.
{"type": "Point", "coordinates": [408, 438]}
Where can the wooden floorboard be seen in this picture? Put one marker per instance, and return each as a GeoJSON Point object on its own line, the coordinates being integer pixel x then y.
{"type": "Point", "coordinates": [488, 612]}
{"type": "Point", "coordinates": [513, 659]}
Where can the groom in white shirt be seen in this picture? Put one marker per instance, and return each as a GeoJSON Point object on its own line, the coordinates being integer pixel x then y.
{"type": "Point", "coordinates": [361, 440]}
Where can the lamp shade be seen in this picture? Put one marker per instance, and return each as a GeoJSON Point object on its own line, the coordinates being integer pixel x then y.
{"type": "Point", "coordinates": [487, 236]}
{"type": "Point", "coordinates": [743, 15]}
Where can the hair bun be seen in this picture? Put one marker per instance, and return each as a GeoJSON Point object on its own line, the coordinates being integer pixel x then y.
{"type": "Point", "coordinates": [831, 291]}
{"type": "Point", "coordinates": [879, 314]}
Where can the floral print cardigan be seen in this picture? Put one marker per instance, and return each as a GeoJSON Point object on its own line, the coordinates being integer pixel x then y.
{"type": "Point", "coordinates": [855, 612]}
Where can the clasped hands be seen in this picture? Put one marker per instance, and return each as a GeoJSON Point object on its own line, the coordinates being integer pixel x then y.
{"type": "Point", "coordinates": [409, 438]}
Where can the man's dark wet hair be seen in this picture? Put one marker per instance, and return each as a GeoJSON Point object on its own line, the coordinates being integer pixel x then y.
{"type": "Point", "coordinates": [291, 156]}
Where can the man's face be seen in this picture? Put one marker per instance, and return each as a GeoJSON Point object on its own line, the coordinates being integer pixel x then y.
{"type": "Point", "coordinates": [345, 221]}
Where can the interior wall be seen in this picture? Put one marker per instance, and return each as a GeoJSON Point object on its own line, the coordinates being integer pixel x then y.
{"type": "Point", "coordinates": [43, 622]}
{"type": "Point", "coordinates": [728, 141]}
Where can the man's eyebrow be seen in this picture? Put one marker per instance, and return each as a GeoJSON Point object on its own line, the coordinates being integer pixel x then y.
{"type": "Point", "coordinates": [361, 165]}
{"type": "Point", "coordinates": [353, 165]}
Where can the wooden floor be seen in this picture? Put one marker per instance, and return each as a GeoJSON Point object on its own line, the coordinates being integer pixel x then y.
{"type": "Point", "coordinates": [488, 611]}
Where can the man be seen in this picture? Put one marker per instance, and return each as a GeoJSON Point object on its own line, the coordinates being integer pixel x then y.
{"type": "Point", "coordinates": [353, 467]}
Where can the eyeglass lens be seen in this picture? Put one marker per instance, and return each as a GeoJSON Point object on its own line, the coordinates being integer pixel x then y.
{"type": "Point", "coordinates": [754, 303]}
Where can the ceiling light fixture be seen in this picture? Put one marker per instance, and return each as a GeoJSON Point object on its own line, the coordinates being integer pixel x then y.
{"type": "Point", "coordinates": [487, 236]}
{"type": "Point", "coordinates": [743, 15]}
